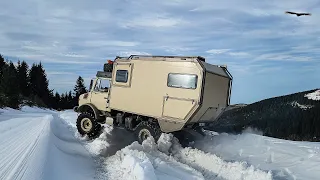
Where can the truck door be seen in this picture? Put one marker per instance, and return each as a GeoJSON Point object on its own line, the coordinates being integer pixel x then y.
{"type": "Point", "coordinates": [100, 94]}
{"type": "Point", "coordinates": [181, 97]}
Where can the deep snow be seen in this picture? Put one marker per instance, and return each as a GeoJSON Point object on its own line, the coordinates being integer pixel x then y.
{"type": "Point", "coordinates": [43, 144]}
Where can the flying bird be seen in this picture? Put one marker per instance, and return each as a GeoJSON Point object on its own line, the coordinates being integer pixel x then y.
{"type": "Point", "coordinates": [298, 14]}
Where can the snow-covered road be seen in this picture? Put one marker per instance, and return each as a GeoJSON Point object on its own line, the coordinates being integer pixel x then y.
{"type": "Point", "coordinates": [42, 144]}
{"type": "Point", "coordinates": [37, 145]}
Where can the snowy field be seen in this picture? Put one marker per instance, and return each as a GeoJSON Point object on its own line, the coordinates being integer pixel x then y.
{"type": "Point", "coordinates": [42, 144]}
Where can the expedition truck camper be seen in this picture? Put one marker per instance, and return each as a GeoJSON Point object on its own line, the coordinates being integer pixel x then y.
{"type": "Point", "coordinates": [149, 95]}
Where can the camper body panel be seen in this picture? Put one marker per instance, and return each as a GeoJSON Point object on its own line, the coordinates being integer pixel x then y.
{"type": "Point", "coordinates": [147, 88]}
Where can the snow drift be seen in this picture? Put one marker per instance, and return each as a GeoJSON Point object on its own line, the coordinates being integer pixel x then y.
{"type": "Point", "coordinates": [168, 160]}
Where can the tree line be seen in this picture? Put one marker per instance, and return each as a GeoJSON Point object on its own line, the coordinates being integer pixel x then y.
{"type": "Point", "coordinates": [24, 85]}
{"type": "Point", "coordinates": [292, 117]}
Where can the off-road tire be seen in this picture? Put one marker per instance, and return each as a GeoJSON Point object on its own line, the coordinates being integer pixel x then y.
{"type": "Point", "coordinates": [152, 128]}
{"type": "Point", "coordinates": [95, 127]}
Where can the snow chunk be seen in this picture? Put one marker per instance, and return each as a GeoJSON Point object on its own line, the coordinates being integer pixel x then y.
{"type": "Point", "coordinates": [100, 144]}
{"type": "Point", "coordinates": [164, 142]}
{"type": "Point", "coordinates": [138, 167]}
{"type": "Point", "coordinates": [314, 95]}
{"type": "Point", "coordinates": [145, 161]}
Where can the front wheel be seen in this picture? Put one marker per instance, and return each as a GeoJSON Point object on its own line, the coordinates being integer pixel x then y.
{"type": "Point", "coordinates": [87, 125]}
{"type": "Point", "coordinates": [146, 129]}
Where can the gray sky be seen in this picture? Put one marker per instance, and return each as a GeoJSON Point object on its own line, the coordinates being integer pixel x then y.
{"type": "Point", "coordinates": [268, 52]}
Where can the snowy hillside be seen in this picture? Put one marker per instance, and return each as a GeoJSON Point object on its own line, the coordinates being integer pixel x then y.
{"type": "Point", "coordinates": [293, 117]}
{"type": "Point", "coordinates": [42, 144]}
{"type": "Point", "coordinates": [314, 95]}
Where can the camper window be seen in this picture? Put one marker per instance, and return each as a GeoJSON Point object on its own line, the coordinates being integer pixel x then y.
{"type": "Point", "coordinates": [122, 76]}
{"type": "Point", "coordinates": [187, 81]}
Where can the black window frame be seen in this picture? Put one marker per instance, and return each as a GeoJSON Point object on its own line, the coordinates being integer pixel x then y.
{"type": "Point", "coordinates": [196, 80]}
{"type": "Point", "coordinates": [127, 75]}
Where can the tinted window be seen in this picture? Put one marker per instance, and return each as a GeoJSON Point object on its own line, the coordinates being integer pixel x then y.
{"type": "Point", "coordinates": [122, 76]}
{"type": "Point", "coordinates": [188, 81]}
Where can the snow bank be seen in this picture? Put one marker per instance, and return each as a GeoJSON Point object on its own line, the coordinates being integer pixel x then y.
{"type": "Point", "coordinates": [285, 159]}
{"type": "Point", "coordinates": [96, 146]}
{"type": "Point", "coordinates": [145, 161]}
{"type": "Point", "coordinates": [35, 109]}
{"type": "Point", "coordinates": [168, 160]}
{"type": "Point", "coordinates": [314, 95]}
{"type": "Point", "coordinates": [70, 117]}
{"type": "Point", "coordinates": [100, 144]}
{"type": "Point", "coordinates": [9, 111]}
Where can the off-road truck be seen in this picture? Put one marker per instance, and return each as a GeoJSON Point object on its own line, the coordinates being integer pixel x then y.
{"type": "Point", "coordinates": [149, 95]}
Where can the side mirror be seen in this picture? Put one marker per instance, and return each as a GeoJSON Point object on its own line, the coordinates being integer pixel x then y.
{"type": "Point", "coordinates": [91, 82]}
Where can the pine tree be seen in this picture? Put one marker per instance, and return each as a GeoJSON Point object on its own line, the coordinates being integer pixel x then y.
{"type": "Point", "coordinates": [63, 101]}
{"type": "Point", "coordinates": [8, 86]}
{"type": "Point", "coordinates": [79, 88]}
{"type": "Point", "coordinates": [2, 64]}
{"type": "Point", "coordinates": [23, 78]}
{"type": "Point", "coordinates": [70, 100]}
{"type": "Point", "coordinates": [39, 84]}
{"type": "Point", "coordinates": [57, 103]}
{"type": "Point", "coordinates": [34, 80]}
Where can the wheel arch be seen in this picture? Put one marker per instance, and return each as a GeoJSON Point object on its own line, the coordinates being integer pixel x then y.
{"type": "Point", "coordinates": [89, 107]}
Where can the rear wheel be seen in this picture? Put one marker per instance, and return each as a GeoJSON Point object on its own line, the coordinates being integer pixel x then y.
{"type": "Point", "coordinates": [87, 125]}
{"type": "Point", "coordinates": [146, 129]}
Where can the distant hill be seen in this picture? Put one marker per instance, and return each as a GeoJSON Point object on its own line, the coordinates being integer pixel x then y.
{"type": "Point", "coordinates": [294, 116]}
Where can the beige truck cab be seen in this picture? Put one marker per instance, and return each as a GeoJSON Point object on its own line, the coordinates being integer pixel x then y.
{"type": "Point", "coordinates": [149, 95]}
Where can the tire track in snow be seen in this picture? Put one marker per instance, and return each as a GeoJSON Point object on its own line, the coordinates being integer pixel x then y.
{"type": "Point", "coordinates": [23, 163]}
{"type": "Point", "coordinates": [211, 166]}
{"type": "Point", "coordinates": [38, 145]}
{"type": "Point", "coordinates": [20, 143]}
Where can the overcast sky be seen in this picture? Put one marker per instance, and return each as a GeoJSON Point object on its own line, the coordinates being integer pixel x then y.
{"type": "Point", "coordinates": [268, 52]}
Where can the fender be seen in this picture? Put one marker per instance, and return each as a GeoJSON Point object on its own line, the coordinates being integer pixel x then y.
{"type": "Point", "coordinates": [86, 107]}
